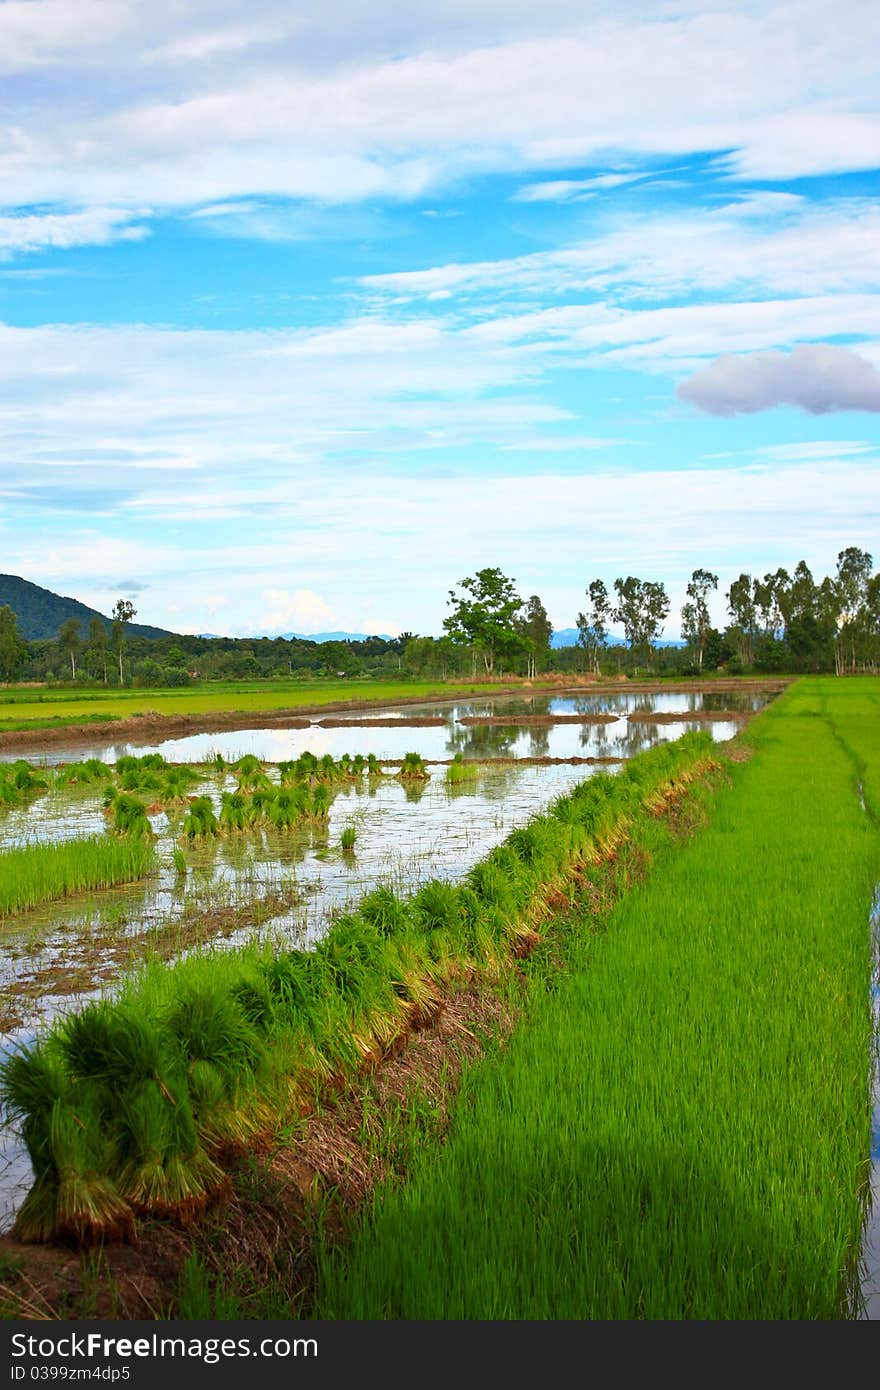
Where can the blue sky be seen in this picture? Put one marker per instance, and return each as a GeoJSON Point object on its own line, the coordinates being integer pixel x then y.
{"type": "Point", "coordinates": [307, 312]}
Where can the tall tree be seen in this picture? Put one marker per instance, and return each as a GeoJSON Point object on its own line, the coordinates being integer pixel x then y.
{"type": "Point", "coordinates": [642, 608]}
{"type": "Point", "coordinates": [123, 612]}
{"type": "Point", "coordinates": [96, 648]}
{"type": "Point", "coordinates": [743, 609]}
{"type": "Point", "coordinates": [594, 623]}
{"type": "Point", "coordinates": [853, 577]}
{"type": "Point", "coordinates": [484, 616]}
{"type": "Point", "coordinates": [695, 619]}
{"type": "Point", "coordinates": [12, 647]}
{"type": "Point", "coordinates": [536, 629]}
{"type": "Point", "coordinates": [70, 642]}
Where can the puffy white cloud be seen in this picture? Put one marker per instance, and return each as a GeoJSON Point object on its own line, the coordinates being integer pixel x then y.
{"type": "Point", "coordinates": [818, 378]}
{"type": "Point", "coordinates": [300, 611]}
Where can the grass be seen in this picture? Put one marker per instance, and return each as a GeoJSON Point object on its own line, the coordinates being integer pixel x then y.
{"type": "Point", "coordinates": [681, 1129]}
{"type": "Point", "coordinates": [134, 1107]}
{"type": "Point", "coordinates": [41, 873]}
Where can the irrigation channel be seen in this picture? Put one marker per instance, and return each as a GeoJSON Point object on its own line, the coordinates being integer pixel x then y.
{"type": "Point", "coordinates": [285, 884]}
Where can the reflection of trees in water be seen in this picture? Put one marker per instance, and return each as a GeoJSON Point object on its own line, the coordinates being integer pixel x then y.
{"type": "Point", "coordinates": [483, 740]}
{"type": "Point", "coordinates": [642, 704]}
{"type": "Point", "coordinates": [594, 738]}
{"type": "Point", "coordinates": [539, 741]}
{"type": "Point", "coordinates": [638, 737]}
{"type": "Point", "coordinates": [498, 782]}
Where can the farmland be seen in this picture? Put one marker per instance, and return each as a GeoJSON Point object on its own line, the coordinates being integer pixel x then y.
{"type": "Point", "coordinates": [679, 957]}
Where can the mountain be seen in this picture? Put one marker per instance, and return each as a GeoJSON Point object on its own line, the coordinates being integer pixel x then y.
{"type": "Point", "coordinates": [568, 636]}
{"type": "Point", "coordinates": [40, 613]}
{"type": "Point", "coordinates": [337, 636]}
{"type": "Point", "coordinates": [304, 636]}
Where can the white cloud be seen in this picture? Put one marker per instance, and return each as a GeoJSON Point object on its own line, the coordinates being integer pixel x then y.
{"type": "Point", "coordinates": [766, 242]}
{"type": "Point", "coordinates": [818, 378]}
{"type": "Point", "coordinates": [348, 544]}
{"type": "Point", "coordinates": [60, 230]}
{"type": "Point", "coordinates": [179, 104]}
{"type": "Point", "coordinates": [299, 611]}
{"type": "Point", "coordinates": [568, 190]}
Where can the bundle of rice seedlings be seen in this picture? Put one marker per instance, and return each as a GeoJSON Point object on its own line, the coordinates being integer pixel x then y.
{"type": "Point", "coordinates": [139, 780]}
{"type": "Point", "coordinates": [200, 820]}
{"type": "Point", "coordinates": [250, 772]}
{"type": "Point", "coordinates": [413, 768]}
{"type": "Point", "coordinates": [286, 808]}
{"type": "Point", "coordinates": [32, 1082]}
{"type": "Point", "coordinates": [320, 806]}
{"type": "Point", "coordinates": [348, 839]}
{"type": "Point", "coordinates": [235, 812]}
{"type": "Point", "coordinates": [92, 770]}
{"type": "Point", "coordinates": [89, 1208]}
{"type": "Point", "coordinates": [326, 768]}
{"type": "Point", "coordinates": [73, 1196]}
{"type": "Point", "coordinates": [362, 971]}
{"type": "Point", "coordinates": [483, 930]}
{"type": "Point", "coordinates": [24, 779]}
{"type": "Point", "coordinates": [386, 912]}
{"type": "Point", "coordinates": [373, 766]}
{"type": "Point", "coordinates": [222, 1052]}
{"type": "Point", "coordinates": [176, 783]}
{"type": "Point", "coordinates": [130, 817]}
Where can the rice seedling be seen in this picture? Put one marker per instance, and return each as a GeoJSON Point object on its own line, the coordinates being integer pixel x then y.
{"type": "Point", "coordinates": [178, 859]}
{"type": "Point", "coordinates": [348, 839]}
{"type": "Point", "coordinates": [236, 812]}
{"type": "Point", "coordinates": [18, 780]}
{"type": "Point", "coordinates": [250, 773]}
{"type": "Point", "coordinates": [459, 771]}
{"type": "Point", "coordinates": [413, 768]}
{"type": "Point", "coordinates": [82, 774]}
{"type": "Point", "coordinates": [40, 873]}
{"type": "Point", "coordinates": [200, 822]}
{"type": "Point", "coordinates": [130, 817]}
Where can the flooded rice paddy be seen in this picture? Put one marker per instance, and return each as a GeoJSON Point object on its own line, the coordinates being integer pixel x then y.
{"type": "Point", "coordinates": [288, 885]}
{"type": "Point", "coordinates": [390, 733]}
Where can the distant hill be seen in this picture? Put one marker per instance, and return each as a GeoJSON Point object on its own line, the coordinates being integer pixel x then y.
{"type": "Point", "coordinates": [40, 613]}
{"type": "Point", "coordinates": [309, 636]}
{"type": "Point", "coordinates": [568, 636]}
{"type": "Point", "coordinates": [337, 636]}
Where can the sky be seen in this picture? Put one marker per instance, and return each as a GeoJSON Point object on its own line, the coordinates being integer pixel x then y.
{"type": "Point", "coordinates": [309, 311]}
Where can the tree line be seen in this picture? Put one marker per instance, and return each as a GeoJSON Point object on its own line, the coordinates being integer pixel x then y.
{"type": "Point", "coordinates": [778, 622]}
{"type": "Point", "coordinates": [89, 655]}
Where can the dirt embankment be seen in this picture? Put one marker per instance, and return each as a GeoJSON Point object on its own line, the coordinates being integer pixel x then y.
{"type": "Point", "coordinates": [538, 719]}
{"type": "Point", "coordinates": [153, 727]}
{"type": "Point", "coordinates": [690, 716]}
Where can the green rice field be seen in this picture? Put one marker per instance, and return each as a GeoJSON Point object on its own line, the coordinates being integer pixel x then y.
{"type": "Point", "coordinates": [25, 708]}
{"type": "Point", "coordinates": [681, 1128]}
{"type": "Point", "coordinates": [678, 1126]}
